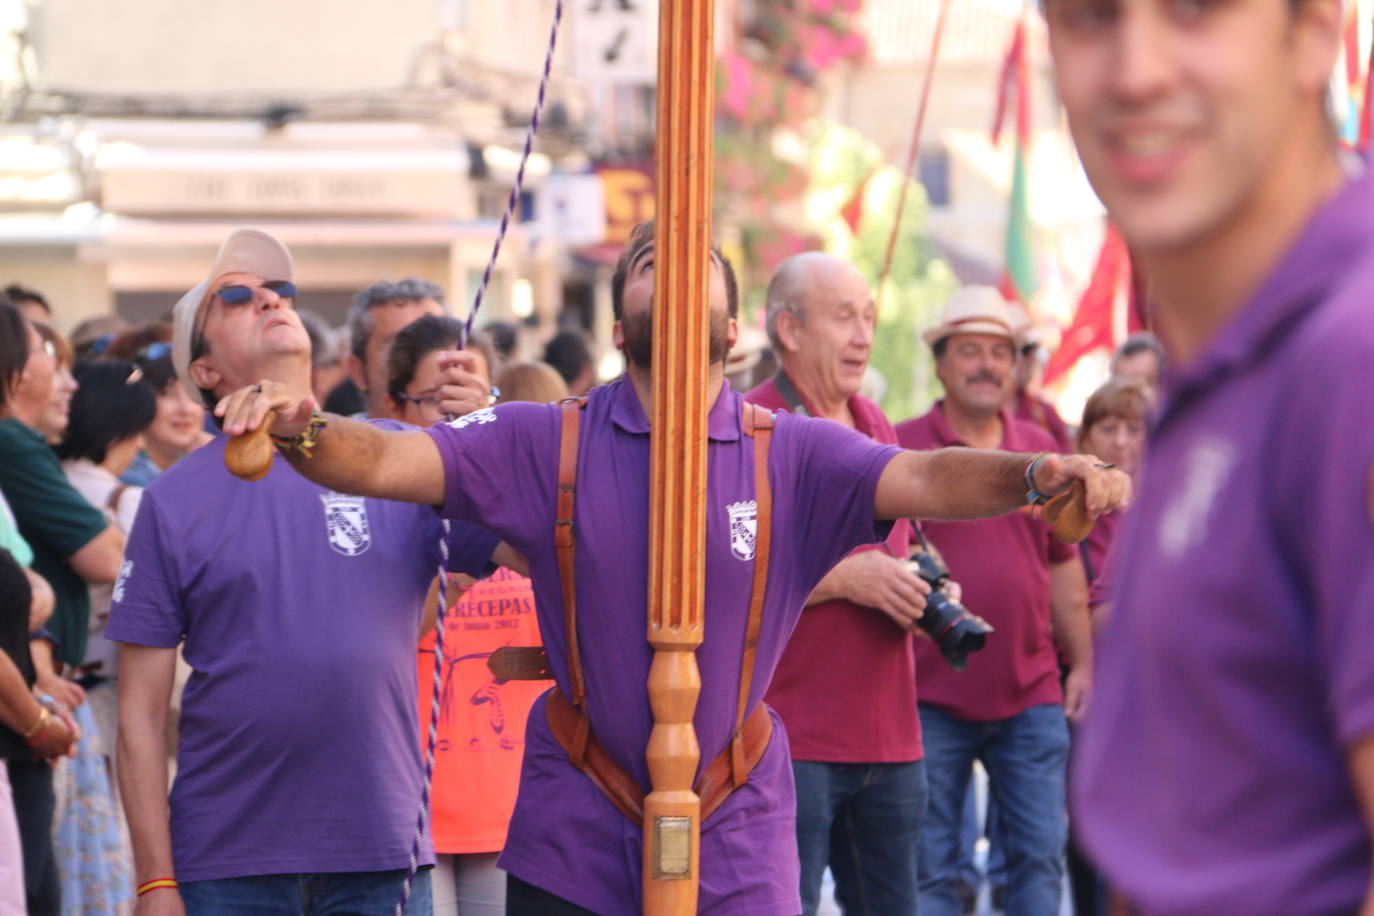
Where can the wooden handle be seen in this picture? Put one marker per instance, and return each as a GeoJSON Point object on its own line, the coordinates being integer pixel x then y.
{"type": "Point", "coordinates": [249, 455]}
{"type": "Point", "coordinates": [1067, 514]}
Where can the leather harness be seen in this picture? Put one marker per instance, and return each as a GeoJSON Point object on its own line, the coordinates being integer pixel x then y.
{"type": "Point", "coordinates": [567, 715]}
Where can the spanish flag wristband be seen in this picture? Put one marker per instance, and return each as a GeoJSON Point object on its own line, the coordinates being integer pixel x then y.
{"type": "Point", "coordinates": [155, 884]}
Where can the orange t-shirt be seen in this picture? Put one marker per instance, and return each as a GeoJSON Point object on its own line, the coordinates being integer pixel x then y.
{"type": "Point", "coordinates": [481, 720]}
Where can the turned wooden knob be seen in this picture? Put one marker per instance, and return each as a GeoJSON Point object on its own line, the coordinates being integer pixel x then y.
{"type": "Point", "coordinates": [249, 455]}
{"type": "Point", "coordinates": [1067, 514]}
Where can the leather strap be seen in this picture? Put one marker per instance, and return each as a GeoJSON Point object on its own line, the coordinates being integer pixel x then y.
{"type": "Point", "coordinates": [623, 790]}
{"type": "Point", "coordinates": [565, 548]}
{"type": "Point", "coordinates": [519, 663]}
{"type": "Point", "coordinates": [758, 424]}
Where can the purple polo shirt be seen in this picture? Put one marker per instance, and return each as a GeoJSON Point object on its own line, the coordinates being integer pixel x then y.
{"type": "Point", "coordinates": [298, 611]}
{"type": "Point", "coordinates": [1236, 669]}
{"type": "Point", "coordinates": [1003, 565]}
{"type": "Point", "coordinates": [501, 466]}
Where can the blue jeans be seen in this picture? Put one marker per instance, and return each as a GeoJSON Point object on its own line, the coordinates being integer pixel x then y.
{"type": "Point", "coordinates": [1025, 756]}
{"type": "Point", "coordinates": [875, 811]}
{"type": "Point", "coordinates": [969, 834]}
{"type": "Point", "coordinates": [359, 893]}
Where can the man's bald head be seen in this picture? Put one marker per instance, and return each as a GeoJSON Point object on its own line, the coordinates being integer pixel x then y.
{"type": "Point", "coordinates": [793, 283]}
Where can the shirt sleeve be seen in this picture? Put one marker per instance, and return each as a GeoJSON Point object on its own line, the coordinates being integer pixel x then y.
{"type": "Point", "coordinates": [147, 606]}
{"type": "Point", "coordinates": [470, 549]}
{"type": "Point", "coordinates": [836, 483]}
{"type": "Point", "coordinates": [499, 468]}
{"type": "Point", "coordinates": [49, 510]}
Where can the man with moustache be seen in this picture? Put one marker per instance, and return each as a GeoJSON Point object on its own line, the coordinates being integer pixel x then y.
{"type": "Point", "coordinates": [297, 609]}
{"type": "Point", "coordinates": [1007, 709]}
{"type": "Point", "coordinates": [1228, 763]}
{"type": "Point", "coordinates": [378, 312]}
{"type": "Point", "coordinates": [570, 847]}
{"type": "Point", "coordinates": [857, 761]}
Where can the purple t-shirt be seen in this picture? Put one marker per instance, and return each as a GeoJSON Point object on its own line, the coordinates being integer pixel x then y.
{"type": "Point", "coordinates": [501, 465]}
{"type": "Point", "coordinates": [299, 609]}
{"type": "Point", "coordinates": [1236, 670]}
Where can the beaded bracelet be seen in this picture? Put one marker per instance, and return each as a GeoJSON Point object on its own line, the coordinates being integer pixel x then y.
{"type": "Point", "coordinates": [304, 441]}
{"type": "Point", "coordinates": [1033, 496]}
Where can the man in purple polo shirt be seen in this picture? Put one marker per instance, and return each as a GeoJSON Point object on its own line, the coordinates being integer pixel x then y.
{"type": "Point", "coordinates": [570, 850]}
{"type": "Point", "coordinates": [297, 608]}
{"type": "Point", "coordinates": [1227, 765]}
{"type": "Point", "coordinates": [1007, 709]}
{"type": "Point", "coordinates": [846, 685]}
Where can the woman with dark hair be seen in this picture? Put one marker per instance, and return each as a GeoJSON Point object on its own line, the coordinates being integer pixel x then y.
{"type": "Point", "coordinates": [413, 367]}
{"type": "Point", "coordinates": [179, 425]}
{"type": "Point", "coordinates": [113, 405]}
{"type": "Point", "coordinates": [482, 722]}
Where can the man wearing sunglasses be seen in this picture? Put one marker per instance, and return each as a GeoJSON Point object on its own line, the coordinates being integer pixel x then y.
{"type": "Point", "coordinates": [298, 610]}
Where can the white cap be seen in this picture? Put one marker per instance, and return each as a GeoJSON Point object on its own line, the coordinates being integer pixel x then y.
{"type": "Point", "coordinates": [974, 310]}
{"type": "Point", "coordinates": [249, 251]}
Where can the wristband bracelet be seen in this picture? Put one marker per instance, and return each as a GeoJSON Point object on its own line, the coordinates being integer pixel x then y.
{"type": "Point", "coordinates": [304, 442]}
{"type": "Point", "coordinates": [1033, 496]}
{"type": "Point", "coordinates": [155, 884]}
{"type": "Point", "coordinates": [43, 717]}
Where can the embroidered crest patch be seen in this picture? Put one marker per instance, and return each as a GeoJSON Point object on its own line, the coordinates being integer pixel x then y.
{"type": "Point", "coordinates": [744, 526]}
{"type": "Point", "coordinates": [345, 520]}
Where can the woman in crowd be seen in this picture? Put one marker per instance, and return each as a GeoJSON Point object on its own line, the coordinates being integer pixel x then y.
{"type": "Point", "coordinates": [481, 720]}
{"type": "Point", "coordinates": [1113, 429]}
{"type": "Point", "coordinates": [179, 425]}
{"type": "Point", "coordinates": [535, 381]}
{"type": "Point", "coordinates": [54, 421]}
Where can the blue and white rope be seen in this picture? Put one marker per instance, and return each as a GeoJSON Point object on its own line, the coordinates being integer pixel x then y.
{"type": "Point", "coordinates": [511, 204]}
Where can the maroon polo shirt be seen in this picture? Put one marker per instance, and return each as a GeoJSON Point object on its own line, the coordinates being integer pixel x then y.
{"type": "Point", "coordinates": [1003, 565]}
{"type": "Point", "coordinates": [1042, 413]}
{"type": "Point", "coordinates": [846, 685]}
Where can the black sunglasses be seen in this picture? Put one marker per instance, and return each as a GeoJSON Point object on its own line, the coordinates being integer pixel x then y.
{"type": "Point", "coordinates": [242, 295]}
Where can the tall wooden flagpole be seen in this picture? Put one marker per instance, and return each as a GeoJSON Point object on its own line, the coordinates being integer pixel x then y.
{"type": "Point", "coordinates": [677, 467]}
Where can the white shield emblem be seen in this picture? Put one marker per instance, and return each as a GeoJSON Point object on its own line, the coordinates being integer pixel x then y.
{"type": "Point", "coordinates": [345, 518]}
{"type": "Point", "coordinates": [744, 527]}
{"type": "Point", "coordinates": [480, 417]}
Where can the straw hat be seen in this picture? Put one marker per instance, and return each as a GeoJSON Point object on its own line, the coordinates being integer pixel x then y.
{"type": "Point", "coordinates": [974, 310]}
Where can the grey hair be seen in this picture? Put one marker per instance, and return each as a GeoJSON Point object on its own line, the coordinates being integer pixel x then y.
{"type": "Point", "coordinates": [787, 293]}
{"type": "Point", "coordinates": [1137, 343]}
{"type": "Point", "coordinates": [411, 289]}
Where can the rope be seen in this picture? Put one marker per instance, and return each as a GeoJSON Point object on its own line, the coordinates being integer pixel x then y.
{"type": "Point", "coordinates": [511, 204]}
{"type": "Point", "coordinates": [514, 199]}
{"type": "Point", "coordinates": [915, 148]}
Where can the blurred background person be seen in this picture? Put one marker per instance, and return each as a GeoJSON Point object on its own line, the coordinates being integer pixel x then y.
{"type": "Point", "coordinates": [378, 312]}
{"type": "Point", "coordinates": [178, 427]}
{"type": "Point", "coordinates": [327, 367]}
{"type": "Point", "coordinates": [534, 381]}
{"type": "Point", "coordinates": [567, 352]}
{"type": "Point", "coordinates": [1028, 401]}
{"type": "Point", "coordinates": [30, 302]}
{"type": "Point", "coordinates": [1114, 426]}
{"type": "Point", "coordinates": [113, 405]}
{"type": "Point", "coordinates": [52, 423]}
{"type": "Point", "coordinates": [92, 335]}
{"type": "Point", "coordinates": [482, 719]}
{"type": "Point", "coordinates": [505, 341]}
{"type": "Point", "coordinates": [1140, 356]}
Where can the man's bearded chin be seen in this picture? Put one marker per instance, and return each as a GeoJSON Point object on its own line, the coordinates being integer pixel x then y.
{"type": "Point", "coordinates": [638, 330]}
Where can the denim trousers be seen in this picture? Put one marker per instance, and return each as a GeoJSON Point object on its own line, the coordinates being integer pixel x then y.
{"type": "Point", "coordinates": [365, 893]}
{"type": "Point", "coordinates": [1026, 757]}
{"type": "Point", "coordinates": [864, 820]}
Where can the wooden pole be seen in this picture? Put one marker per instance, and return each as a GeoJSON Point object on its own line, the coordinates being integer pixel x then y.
{"type": "Point", "coordinates": [677, 467]}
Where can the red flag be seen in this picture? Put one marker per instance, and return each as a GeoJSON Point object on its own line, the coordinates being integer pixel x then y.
{"type": "Point", "coordinates": [1108, 293]}
{"type": "Point", "coordinates": [853, 210]}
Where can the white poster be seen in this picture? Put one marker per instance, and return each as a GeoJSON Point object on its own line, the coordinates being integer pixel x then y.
{"type": "Point", "coordinates": [615, 41]}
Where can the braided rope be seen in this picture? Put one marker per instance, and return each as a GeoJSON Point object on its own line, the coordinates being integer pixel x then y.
{"type": "Point", "coordinates": [512, 202]}
{"type": "Point", "coordinates": [433, 725]}
{"type": "Point", "coordinates": [514, 199]}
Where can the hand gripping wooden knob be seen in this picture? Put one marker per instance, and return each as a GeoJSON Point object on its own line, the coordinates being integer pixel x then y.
{"type": "Point", "coordinates": [1067, 514]}
{"type": "Point", "coordinates": [249, 455]}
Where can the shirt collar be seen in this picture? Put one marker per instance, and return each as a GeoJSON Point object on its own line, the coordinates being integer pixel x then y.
{"type": "Point", "coordinates": [1336, 236]}
{"type": "Point", "coordinates": [18, 424]}
{"type": "Point", "coordinates": [947, 436]}
{"type": "Point", "coordinates": [722, 423]}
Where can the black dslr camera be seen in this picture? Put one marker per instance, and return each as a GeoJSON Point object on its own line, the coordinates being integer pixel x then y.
{"type": "Point", "coordinates": [949, 623]}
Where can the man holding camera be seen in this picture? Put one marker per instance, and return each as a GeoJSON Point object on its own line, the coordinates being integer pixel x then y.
{"type": "Point", "coordinates": [1008, 709]}
{"type": "Point", "coordinates": [857, 762]}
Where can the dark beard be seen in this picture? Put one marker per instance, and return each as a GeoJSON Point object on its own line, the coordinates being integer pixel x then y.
{"type": "Point", "coordinates": [639, 338]}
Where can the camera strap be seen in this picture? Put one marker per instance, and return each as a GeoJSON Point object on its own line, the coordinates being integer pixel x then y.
{"type": "Point", "coordinates": [789, 393]}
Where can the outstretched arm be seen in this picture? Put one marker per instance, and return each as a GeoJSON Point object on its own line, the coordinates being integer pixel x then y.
{"type": "Point", "coordinates": [354, 457]}
{"type": "Point", "coordinates": [964, 483]}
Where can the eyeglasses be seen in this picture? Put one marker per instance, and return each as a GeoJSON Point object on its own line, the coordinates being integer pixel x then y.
{"type": "Point", "coordinates": [428, 401]}
{"type": "Point", "coordinates": [50, 349]}
{"type": "Point", "coordinates": [242, 295]}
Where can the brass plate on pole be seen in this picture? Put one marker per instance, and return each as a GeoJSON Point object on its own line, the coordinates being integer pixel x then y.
{"type": "Point", "coordinates": [673, 845]}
